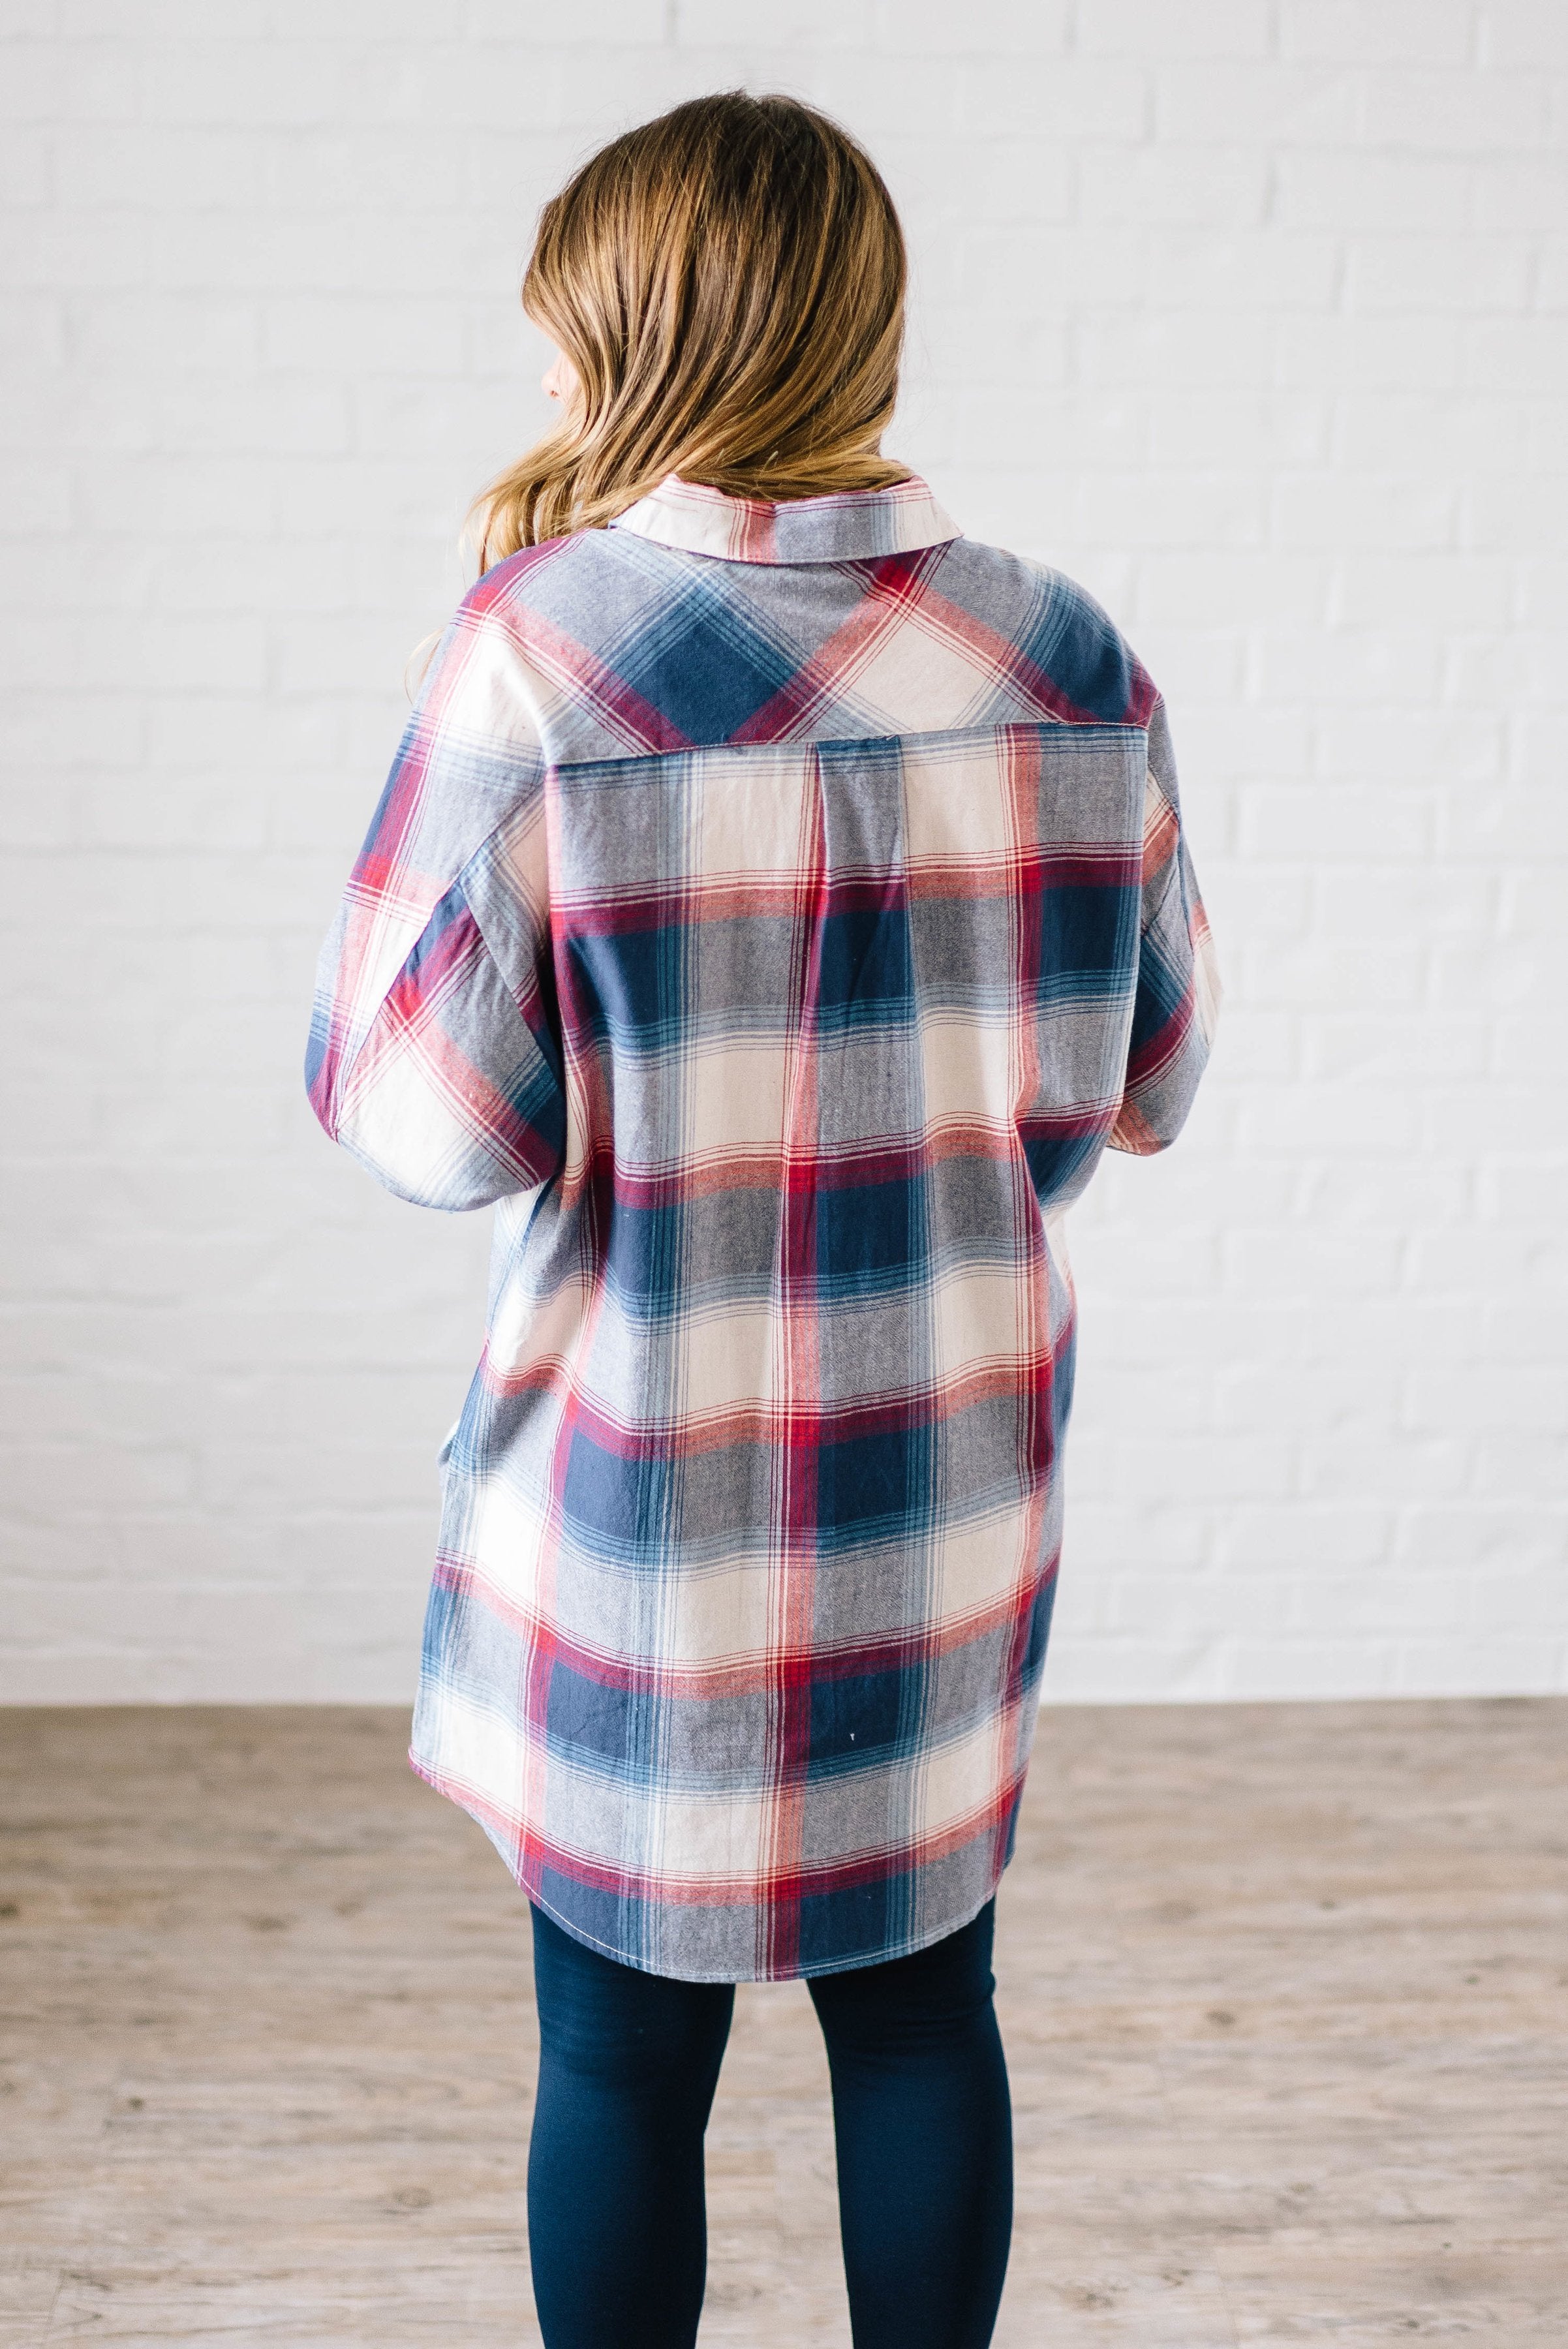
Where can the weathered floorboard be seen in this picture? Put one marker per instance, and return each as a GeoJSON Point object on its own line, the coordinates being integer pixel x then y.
{"type": "Point", "coordinates": [1285, 1993]}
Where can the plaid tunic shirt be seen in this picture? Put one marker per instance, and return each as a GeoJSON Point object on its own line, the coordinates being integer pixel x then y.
{"type": "Point", "coordinates": [774, 911]}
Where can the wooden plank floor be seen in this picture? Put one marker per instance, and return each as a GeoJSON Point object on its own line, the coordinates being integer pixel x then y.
{"type": "Point", "coordinates": [1284, 1988]}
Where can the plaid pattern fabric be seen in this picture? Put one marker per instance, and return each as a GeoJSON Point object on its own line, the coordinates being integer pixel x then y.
{"type": "Point", "coordinates": [775, 911]}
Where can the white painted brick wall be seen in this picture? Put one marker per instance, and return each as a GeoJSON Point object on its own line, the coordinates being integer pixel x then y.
{"type": "Point", "coordinates": [1250, 312]}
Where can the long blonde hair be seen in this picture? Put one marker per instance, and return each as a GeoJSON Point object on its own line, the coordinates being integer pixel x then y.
{"type": "Point", "coordinates": [728, 284]}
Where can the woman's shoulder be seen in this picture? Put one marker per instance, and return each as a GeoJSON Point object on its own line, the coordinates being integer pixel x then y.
{"type": "Point", "coordinates": [1055, 625]}
{"type": "Point", "coordinates": [515, 580]}
{"type": "Point", "coordinates": [574, 585]}
{"type": "Point", "coordinates": [592, 593]}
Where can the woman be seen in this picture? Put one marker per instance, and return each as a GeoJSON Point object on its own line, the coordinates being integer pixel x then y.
{"type": "Point", "coordinates": [777, 904]}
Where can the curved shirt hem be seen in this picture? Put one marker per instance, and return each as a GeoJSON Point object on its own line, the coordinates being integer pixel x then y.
{"type": "Point", "coordinates": [909, 1948]}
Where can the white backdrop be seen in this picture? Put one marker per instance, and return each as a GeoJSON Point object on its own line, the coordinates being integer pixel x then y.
{"type": "Point", "coordinates": [1251, 313]}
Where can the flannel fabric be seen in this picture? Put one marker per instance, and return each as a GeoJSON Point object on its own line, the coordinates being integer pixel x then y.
{"type": "Point", "coordinates": [774, 911]}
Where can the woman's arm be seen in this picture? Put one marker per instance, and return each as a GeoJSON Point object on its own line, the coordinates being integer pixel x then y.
{"type": "Point", "coordinates": [434, 1056]}
{"type": "Point", "coordinates": [1178, 996]}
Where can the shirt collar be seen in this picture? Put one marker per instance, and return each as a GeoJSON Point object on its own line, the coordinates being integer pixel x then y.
{"type": "Point", "coordinates": [847, 527]}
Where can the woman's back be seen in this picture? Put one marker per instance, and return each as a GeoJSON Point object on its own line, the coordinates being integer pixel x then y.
{"type": "Point", "coordinates": [777, 908]}
{"type": "Point", "coordinates": [777, 904]}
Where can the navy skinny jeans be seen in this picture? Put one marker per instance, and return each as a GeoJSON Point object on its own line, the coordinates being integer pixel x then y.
{"type": "Point", "coordinates": [627, 2066]}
